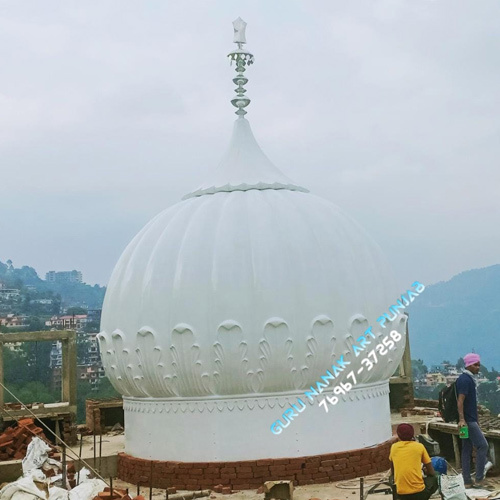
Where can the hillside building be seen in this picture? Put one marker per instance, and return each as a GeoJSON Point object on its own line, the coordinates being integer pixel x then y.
{"type": "Point", "coordinates": [67, 322]}
{"type": "Point", "coordinates": [64, 277]}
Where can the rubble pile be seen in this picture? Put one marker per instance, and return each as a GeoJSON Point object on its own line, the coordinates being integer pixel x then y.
{"type": "Point", "coordinates": [407, 412]}
{"type": "Point", "coordinates": [42, 473]}
{"type": "Point", "coordinates": [118, 494]}
{"type": "Point", "coordinates": [15, 440]}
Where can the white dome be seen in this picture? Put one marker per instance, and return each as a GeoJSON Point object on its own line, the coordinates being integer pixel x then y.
{"type": "Point", "coordinates": [249, 288]}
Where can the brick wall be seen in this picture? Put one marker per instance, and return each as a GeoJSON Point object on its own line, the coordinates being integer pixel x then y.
{"type": "Point", "coordinates": [92, 416]}
{"type": "Point", "coordinates": [250, 474]}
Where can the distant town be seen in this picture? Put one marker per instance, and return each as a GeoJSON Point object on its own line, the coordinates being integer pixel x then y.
{"type": "Point", "coordinates": [60, 302]}
{"type": "Point", "coordinates": [63, 301]}
{"type": "Point", "coordinates": [429, 382]}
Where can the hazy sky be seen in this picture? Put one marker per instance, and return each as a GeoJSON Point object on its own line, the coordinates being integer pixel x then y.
{"type": "Point", "coordinates": [110, 111]}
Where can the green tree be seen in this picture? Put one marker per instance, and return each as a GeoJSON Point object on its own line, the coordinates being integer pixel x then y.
{"type": "Point", "coordinates": [35, 324]}
{"type": "Point", "coordinates": [103, 390]}
{"type": "Point", "coordinates": [436, 390]}
{"type": "Point", "coordinates": [76, 310]}
{"type": "Point", "coordinates": [492, 374]}
{"type": "Point", "coordinates": [418, 368]}
{"type": "Point", "coordinates": [488, 394]}
{"type": "Point", "coordinates": [33, 392]}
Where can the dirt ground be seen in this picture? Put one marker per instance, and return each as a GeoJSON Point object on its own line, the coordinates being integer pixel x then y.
{"type": "Point", "coordinates": [343, 490]}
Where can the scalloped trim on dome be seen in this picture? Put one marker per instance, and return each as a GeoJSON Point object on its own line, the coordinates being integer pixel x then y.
{"type": "Point", "coordinates": [244, 187]}
{"type": "Point", "coordinates": [244, 167]}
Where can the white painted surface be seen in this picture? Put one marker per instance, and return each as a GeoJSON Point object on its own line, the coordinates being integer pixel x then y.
{"type": "Point", "coordinates": [244, 167]}
{"type": "Point", "coordinates": [224, 430]}
{"type": "Point", "coordinates": [256, 289]}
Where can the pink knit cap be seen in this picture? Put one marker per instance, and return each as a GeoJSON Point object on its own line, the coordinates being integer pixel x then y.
{"type": "Point", "coordinates": [471, 358]}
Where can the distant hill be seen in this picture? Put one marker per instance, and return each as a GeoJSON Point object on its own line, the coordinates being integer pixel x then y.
{"type": "Point", "coordinates": [72, 294]}
{"type": "Point", "coordinates": [455, 317]}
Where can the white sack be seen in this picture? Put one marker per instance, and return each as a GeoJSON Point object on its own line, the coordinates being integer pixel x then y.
{"type": "Point", "coordinates": [36, 455]}
{"type": "Point", "coordinates": [56, 493]}
{"type": "Point", "coordinates": [87, 490]}
{"type": "Point", "coordinates": [452, 487]}
{"type": "Point", "coordinates": [22, 489]}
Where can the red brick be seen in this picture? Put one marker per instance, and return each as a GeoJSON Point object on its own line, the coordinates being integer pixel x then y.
{"type": "Point", "coordinates": [260, 469]}
{"type": "Point", "coordinates": [326, 463]}
{"type": "Point", "coordinates": [281, 461]}
{"type": "Point", "coordinates": [277, 469]}
{"type": "Point", "coordinates": [245, 475]}
{"type": "Point", "coordinates": [312, 470]}
{"type": "Point", "coordinates": [302, 470]}
{"type": "Point", "coordinates": [265, 462]}
{"type": "Point", "coordinates": [261, 474]}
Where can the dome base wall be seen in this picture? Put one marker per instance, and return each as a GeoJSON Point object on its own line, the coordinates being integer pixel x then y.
{"type": "Point", "coordinates": [235, 429]}
{"type": "Point", "coordinates": [250, 474]}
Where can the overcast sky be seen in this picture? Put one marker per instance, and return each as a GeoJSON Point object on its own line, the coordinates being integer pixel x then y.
{"type": "Point", "coordinates": [110, 111]}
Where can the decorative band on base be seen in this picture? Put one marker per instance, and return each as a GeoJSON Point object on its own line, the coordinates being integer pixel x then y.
{"type": "Point", "coordinates": [234, 429]}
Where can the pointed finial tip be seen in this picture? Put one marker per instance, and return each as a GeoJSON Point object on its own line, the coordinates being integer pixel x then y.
{"type": "Point", "coordinates": [239, 30]}
{"type": "Point", "coordinates": [242, 58]}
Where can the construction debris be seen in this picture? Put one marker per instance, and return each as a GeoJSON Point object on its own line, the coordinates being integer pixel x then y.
{"type": "Point", "coordinates": [420, 411]}
{"type": "Point", "coordinates": [43, 477]}
{"type": "Point", "coordinates": [116, 494]}
{"type": "Point", "coordinates": [279, 490]}
{"type": "Point", "coordinates": [117, 429]}
{"type": "Point", "coordinates": [15, 440]}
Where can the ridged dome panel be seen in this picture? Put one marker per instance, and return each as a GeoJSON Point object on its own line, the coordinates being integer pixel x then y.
{"type": "Point", "coordinates": [243, 292]}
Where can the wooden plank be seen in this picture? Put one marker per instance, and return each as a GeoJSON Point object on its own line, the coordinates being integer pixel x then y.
{"type": "Point", "coordinates": [400, 380]}
{"type": "Point", "coordinates": [39, 413]}
{"type": "Point", "coordinates": [6, 338]}
{"type": "Point", "coordinates": [456, 450]}
{"type": "Point", "coordinates": [444, 427]}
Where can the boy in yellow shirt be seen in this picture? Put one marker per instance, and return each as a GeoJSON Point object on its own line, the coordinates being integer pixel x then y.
{"type": "Point", "coordinates": [407, 457]}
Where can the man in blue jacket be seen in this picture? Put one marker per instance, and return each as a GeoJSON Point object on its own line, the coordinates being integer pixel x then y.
{"type": "Point", "coordinates": [467, 414]}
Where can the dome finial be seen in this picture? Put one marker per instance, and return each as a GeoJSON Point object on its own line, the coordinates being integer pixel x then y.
{"type": "Point", "coordinates": [242, 58]}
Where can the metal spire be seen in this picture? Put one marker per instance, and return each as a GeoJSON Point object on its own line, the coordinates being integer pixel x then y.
{"type": "Point", "coordinates": [242, 59]}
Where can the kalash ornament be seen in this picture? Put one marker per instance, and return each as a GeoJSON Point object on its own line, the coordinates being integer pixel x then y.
{"type": "Point", "coordinates": [227, 307]}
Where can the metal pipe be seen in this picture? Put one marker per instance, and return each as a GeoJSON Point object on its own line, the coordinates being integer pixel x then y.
{"type": "Point", "coordinates": [151, 481]}
{"type": "Point", "coordinates": [64, 469]}
{"type": "Point", "coordinates": [79, 458]}
{"type": "Point", "coordinates": [100, 450]}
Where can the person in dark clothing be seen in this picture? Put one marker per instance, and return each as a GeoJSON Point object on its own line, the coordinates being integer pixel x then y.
{"type": "Point", "coordinates": [407, 457]}
{"type": "Point", "coordinates": [467, 414]}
